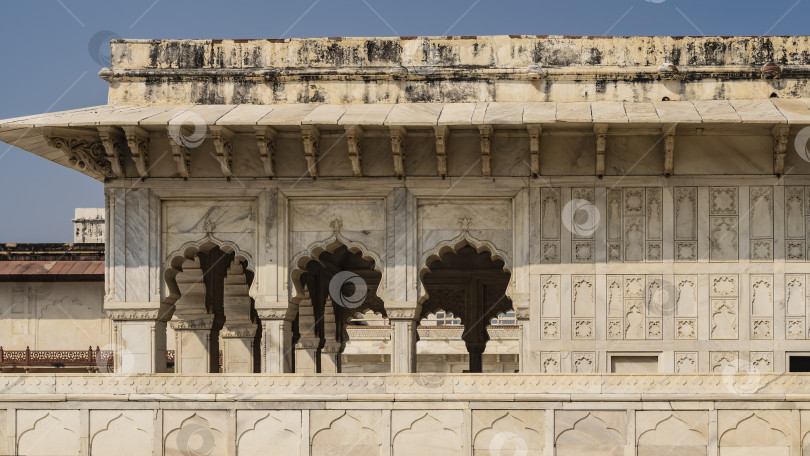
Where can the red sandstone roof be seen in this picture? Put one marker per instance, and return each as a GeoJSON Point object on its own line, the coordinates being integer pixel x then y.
{"type": "Point", "coordinates": [51, 270]}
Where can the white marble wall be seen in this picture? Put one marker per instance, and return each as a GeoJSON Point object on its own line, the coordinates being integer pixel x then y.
{"type": "Point", "coordinates": [706, 271]}
{"type": "Point", "coordinates": [53, 316]}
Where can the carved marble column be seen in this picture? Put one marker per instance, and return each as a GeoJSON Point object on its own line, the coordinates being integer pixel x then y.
{"type": "Point", "coordinates": [239, 331]}
{"type": "Point", "coordinates": [139, 341]}
{"type": "Point", "coordinates": [133, 297]}
{"type": "Point", "coordinates": [401, 293]}
{"type": "Point", "coordinates": [403, 339]}
{"type": "Point", "coordinates": [193, 353]}
{"type": "Point", "coordinates": [330, 353]}
{"type": "Point", "coordinates": [306, 349]}
{"type": "Point", "coordinates": [276, 343]}
{"type": "Point", "coordinates": [192, 324]}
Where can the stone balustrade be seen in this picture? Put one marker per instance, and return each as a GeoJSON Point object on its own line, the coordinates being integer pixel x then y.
{"type": "Point", "coordinates": [405, 414]}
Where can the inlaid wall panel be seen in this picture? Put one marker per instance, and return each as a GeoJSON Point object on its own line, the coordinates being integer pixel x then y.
{"type": "Point", "coordinates": [635, 224]}
{"type": "Point", "coordinates": [550, 221]}
{"type": "Point", "coordinates": [724, 306]}
{"type": "Point", "coordinates": [724, 223]}
{"type": "Point", "coordinates": [795, 235]}
{"type": "Point", "coordinates": [686, 217]}
{"type": "Point", "coordinates": [760, 219]}
{"type": "Point", "coordinates": [635, 306]}
{"type": "Point", "coordinates": [550, 307]}
{"type": "Point", "coordinates": [795, 306]}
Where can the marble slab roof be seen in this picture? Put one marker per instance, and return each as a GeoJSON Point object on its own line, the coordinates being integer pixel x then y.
{"type": "Point", "coordinates": [767, 111]}
{"type": "Point", "coordinates": [30, 132]}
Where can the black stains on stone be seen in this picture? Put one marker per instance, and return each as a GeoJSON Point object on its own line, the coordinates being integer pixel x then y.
{"type": "Point", "coordinates": [762, 51]}
{"type": "Point", "coordinates": [675, 55]}
{"type": "Point", "coordinates": [383, 51]}
{"type": "Point", "coordinates": [601, 86]}
{"type": "Point", "coordinates": [714, 52]}
{"type": "Point", "coordinates": [562, 56]}
{"type": "Point", "coordinates": [445, 55]}
{"type": "Point", "coordinates": [316, 97]}
{"type": "Point", "coordinates": [595, 57]}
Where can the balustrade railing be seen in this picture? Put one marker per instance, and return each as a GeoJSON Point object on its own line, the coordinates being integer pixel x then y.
{"type": "Point", "coordinates": [93, 360]}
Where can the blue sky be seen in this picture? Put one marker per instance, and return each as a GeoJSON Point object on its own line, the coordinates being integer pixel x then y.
{"type": "Point", "coordinates": [47, 58]}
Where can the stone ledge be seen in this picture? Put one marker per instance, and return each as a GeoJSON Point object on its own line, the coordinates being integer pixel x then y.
{"type": "Point", "coordinates": [416, 387]}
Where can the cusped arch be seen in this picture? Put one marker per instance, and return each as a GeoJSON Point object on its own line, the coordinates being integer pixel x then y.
{"type": "Point", "coordinates": [189, 250]}
{"type": "Point", "coordinates": [454, 245]}
{"type": "Point", "coordinates": [330, 245]}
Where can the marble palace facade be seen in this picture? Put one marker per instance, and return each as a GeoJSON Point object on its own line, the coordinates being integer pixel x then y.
{"type": "Point", "coordinates": [444, 245]}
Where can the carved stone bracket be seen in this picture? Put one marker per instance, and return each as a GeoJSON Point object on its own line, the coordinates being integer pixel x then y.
{"type": "Point", "coordinates": [600, 130]}
{"type": "Point", "coordinates": [85, 153]}
{"type": "Point", "coordinates": [113, 141]}
{"type": "Point", "coordinates": [311, 136]}
{"type": "Point", "coordinates": [669, 149]}
{"type": "Point", "coordinates": [266, 140]}
{"type": "Point", "coordinates": [138, 142]}
{"type": "Point", "coordinates": [486, 157]}
{"type": "Point", "coordinates": [780, 143]}
{"type": "Point", "coordinates": [354, 138]}
{"type": "Point", "coordinates": [223, 143]}
{"type": "Point", "coordinates": [534, 148]}
{"type": "Point", "coordinates": [182, 158]}
{"type": "Point", "coordinates": [398, 149]}
{"type": "Point", "coordinates": [442, 132]}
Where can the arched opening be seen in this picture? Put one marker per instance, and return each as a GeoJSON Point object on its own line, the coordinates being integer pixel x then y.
{"type": "Point", "coordinates": [337, 285]}
{"type": "Point", "coordinates": [213, 319]}
{"type": "Point", "coordinates": [465, 286]}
